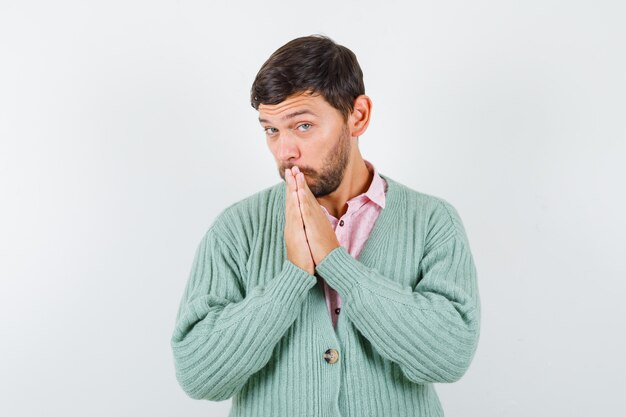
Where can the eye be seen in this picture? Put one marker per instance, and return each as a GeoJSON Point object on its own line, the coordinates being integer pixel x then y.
{"type": "Point", "coordinates": [270, 131]}
{"type": "Point", "coordinates": [304, 127]}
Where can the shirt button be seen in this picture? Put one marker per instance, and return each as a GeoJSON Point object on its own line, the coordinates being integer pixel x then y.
{"type": "Point", "coordinates": [341, 223]}
{"type": "Point", "coordinates": [337, 310]}
{"type": "Point", "coordinates": [331, 356]}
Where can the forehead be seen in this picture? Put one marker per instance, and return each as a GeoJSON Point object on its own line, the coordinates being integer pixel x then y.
{"type": "Point", "coordinates": [294, 104]}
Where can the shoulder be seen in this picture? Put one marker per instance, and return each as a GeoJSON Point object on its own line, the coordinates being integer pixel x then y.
{"type": "Point", "coordinates": [240, 220]}
{"type": "Point", "coordinates": [441, 217]}
{"type": "Point", "coordinates": [417, 200]}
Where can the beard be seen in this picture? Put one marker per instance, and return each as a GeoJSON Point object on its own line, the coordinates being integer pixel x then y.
{"type": "Point", "coordinates": [333, 168]}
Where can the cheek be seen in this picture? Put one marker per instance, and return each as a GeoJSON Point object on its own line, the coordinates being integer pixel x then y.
{"type": "Point", "coordinates": [320, 145]}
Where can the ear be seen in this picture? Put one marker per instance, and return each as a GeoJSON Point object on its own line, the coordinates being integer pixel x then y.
{"type": "Point", "coordinates": [360, 117]}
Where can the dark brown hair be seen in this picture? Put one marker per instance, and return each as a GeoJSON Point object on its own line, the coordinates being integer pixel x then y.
{"type": "Point", "coordinates": [311, 63]}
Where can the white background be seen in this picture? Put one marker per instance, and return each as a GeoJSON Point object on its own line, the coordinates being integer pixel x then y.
{"type": "Point", "coordinates": [125, 128]}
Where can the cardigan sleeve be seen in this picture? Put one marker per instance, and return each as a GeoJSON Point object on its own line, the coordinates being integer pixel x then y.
{"type": "Point", "coordinates": [431, 331]}
{"type": "Point", "coordinates": [223, 336]}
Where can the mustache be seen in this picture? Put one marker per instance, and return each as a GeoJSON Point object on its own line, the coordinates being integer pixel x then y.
{"type": "Point", "coordinates": [304, 170]}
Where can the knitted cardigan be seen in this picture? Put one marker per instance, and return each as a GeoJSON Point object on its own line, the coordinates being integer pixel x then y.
{"type": "Point", "coordinates": [254, 327]}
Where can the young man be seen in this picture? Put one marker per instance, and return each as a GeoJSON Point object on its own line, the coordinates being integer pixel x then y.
{"type": "Point", "coordinates": [338, 292]}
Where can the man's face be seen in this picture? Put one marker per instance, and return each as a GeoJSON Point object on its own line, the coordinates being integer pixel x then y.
{"type": "Point", "coordinates": [305, 130]}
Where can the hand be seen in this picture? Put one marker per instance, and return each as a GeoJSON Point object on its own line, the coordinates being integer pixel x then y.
{"type": "Point", "coordinates": [298, 251]}
{"type": "Point", "coordinates": [319, 232]}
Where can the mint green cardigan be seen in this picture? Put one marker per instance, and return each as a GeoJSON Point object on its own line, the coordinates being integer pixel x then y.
{"type": "Point", "coordinates": [254, 327]}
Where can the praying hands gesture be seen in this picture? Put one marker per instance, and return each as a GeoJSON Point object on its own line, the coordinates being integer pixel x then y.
{"type": "Point", "coordinates": [309, 236]}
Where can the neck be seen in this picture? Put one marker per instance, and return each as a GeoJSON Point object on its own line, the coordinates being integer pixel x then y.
{"type": "Point", "coordinates": [356, 181]}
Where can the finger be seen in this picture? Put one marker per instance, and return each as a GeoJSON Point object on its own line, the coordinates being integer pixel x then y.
{"type": "Point", "coordinates": [292, 214]}
{"type": "Point", "coordinates": [301, 187]}
{"type": "Point", "coordinates": [294, 172]}
{"type": "Point", "coordinates": [307, 207]}
{"type": "Point", "coordinates": [304, 204]}
{"type": "Point", "coordinates": [290, 180]}
{"type": "Point", "coordinates": [291, 190]}
{"type": "Point", "coordinates": [300, 180]}
{"type": "Point", "coordinates": [293, 202]}
{"type": "Point", "coordinates": [302, 184]}
{"type": "Point", "coordinates": [292, 197]}
{"type": "Point", "coordinates": [288, 200]}
{"type": "Point", "coordinates": [296, 214]}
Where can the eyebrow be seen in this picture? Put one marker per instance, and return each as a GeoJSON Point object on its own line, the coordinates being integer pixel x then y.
{"type": "Point", "coordinates": [291, 115]}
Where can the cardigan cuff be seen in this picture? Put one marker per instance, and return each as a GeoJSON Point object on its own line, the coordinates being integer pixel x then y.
{"type": "Point", "coordinates": [291, 283]}
{"type": "Point", "coordinates": [342, 272]}
{"type": "Point", "coordinates": [347, 275]}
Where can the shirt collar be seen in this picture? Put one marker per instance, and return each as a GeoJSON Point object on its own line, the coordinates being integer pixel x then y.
{"type": "Point", "coordinates": [376, 191]}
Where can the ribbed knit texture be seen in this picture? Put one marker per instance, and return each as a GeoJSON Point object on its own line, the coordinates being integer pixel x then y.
{"type": "Point", "coordinates": [254, 327]}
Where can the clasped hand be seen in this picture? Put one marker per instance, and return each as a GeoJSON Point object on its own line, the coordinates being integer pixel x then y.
{"type": "Point", "coordinates": [309, 236]}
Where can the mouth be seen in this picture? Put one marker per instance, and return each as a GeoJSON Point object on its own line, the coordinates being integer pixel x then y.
{"type": "Point", "coordinates": [307, 172]}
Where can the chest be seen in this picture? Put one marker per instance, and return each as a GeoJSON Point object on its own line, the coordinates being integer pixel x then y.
{"type": "Point", "coordinates": [392, 251]}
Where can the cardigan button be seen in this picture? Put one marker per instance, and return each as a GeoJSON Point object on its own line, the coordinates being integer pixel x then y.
{"type": "Point", "coordinates": [331, 356]}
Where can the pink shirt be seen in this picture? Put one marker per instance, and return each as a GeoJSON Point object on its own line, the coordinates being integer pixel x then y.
{"type": "Point", "coordinates": [354, 227]}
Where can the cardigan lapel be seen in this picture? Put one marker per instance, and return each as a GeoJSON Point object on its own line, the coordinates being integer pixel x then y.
{"type": "Point", "coordinates": [385, 225]}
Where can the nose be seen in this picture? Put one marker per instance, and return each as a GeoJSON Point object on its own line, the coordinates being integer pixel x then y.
{"type": "Point", "coordinates": [287, 149]}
